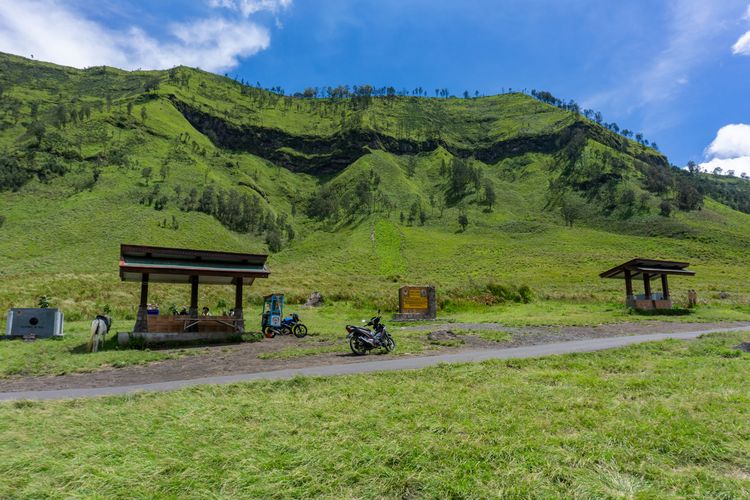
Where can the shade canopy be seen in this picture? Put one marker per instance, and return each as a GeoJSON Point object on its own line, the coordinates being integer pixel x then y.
{"type": "Point", "coordinates": [652, 268]}
{"type": "Point", "coordinates": [179, 265]}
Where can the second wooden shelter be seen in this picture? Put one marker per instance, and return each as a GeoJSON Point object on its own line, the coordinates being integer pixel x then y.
{"type": "Point", "coordinates": [648, 270]}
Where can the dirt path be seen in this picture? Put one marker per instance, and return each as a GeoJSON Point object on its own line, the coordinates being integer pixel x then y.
{"type": "Point", "coordinates": [234, 359]}
{"type": "Point", "coordinates": [389, 364]}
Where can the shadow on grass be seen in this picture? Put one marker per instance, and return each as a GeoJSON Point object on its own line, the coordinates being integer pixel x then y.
{"type": "Point", "coordinates": [137, 344]}
{"type": "Point", "coordinates": [663, 312]}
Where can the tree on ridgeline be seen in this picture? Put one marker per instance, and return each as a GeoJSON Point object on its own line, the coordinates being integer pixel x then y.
{"type": "Point", "coordinates": [152, 84]}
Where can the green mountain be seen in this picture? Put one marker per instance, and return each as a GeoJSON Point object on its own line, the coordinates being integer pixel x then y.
{"type": "Point", "coordinates": [354, 195]}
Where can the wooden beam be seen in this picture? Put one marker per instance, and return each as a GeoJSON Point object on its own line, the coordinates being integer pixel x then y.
{"type": "Point", "coordinates": [238, 314]}
{"type": "Point", "coordinates": [141, 318]}
{"type": "Point", "coordinates": [238, 294]}
{"type": "Point", "coordinates": [628, 284]}
{"type": "Point", "coordinates": [144, 290]}
{"type": "Point", "coordinates": [647, 285]}
{"type": "Point", "coordinates": [665, 287]}
{"type": "Point", "coordinates": [194, 296]}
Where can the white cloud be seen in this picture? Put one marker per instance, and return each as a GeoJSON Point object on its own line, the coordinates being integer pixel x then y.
{"type": "Point", "coordinates": [249, 7]}
{"type": "Point", "coordinates": [738, 165]}
{"type": "Point", "coordinates": [730, 150]}
{"type": "Point", "coordinates": [731, 141]}
{"type": "Point", "coordinates": [54, 32]}
{"type": "Point", "coordinates": [742, 46]}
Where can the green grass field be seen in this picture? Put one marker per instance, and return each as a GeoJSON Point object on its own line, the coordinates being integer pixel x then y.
{"type": "Point", "coordinates": [660, 420]}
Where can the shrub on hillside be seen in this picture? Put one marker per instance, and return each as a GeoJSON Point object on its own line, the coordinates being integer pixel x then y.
{"type": "Point", "coordinates": [12, 174]}
{"type": "Point", "coordinates": [504, 293]}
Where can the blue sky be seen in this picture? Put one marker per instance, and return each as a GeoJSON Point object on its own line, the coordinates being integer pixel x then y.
{"type": "Point", "coordinates": [676, 70]}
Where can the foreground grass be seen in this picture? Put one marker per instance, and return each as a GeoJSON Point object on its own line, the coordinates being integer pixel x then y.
{"type": "Point", "coordinates": [657, 420]}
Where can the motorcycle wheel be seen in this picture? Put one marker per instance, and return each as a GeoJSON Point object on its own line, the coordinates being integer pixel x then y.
{"type": "Point", "coordinates": [299, 330]}
{"type": "Point", "coordinates": [357, 346]}
{"type": "Point", "coordinates": [390, 344]}
{"type": "Point", "coordinates": [269, 332]}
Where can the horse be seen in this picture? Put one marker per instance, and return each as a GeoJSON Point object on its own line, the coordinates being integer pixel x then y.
{"type": "Point", "coordinates": [99, 329]}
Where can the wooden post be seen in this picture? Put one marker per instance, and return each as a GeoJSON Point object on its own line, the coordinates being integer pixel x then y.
{"type": "Point", "coordinates": [238, 314]}
{"type": "Point", "coordinates": [665, 287]}
{"type": "Point", "coordinates": [647, 285]}
{"type": "Point", "coordinates": [141, 318]}
{"type": "Point", "coordinates": [194, 296]}
{"type": "Point", "coordinates": [628, 287]}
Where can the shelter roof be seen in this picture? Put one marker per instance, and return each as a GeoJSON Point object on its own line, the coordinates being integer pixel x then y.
{"type": "Point", "coordinates": [652, 267]}
{"type": "Point", "coordinates": [178, 265]}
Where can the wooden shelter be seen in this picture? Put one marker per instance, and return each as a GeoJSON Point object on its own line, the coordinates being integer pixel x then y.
{"type": "Point", "coordinates": [648, 270]}
{"type": "Point", "coordinates": [147, 264]}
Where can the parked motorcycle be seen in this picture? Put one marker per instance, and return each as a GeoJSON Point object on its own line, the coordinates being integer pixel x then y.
{"type": "Point", "coordinates": [289, 325]}
{"type": "Point", "coordinates": [294, 325]}
{"type": "Point", "coordinates": [362, 340]}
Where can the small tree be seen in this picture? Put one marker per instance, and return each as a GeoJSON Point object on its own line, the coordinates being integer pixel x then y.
{"type": "Point", "coordinates": [144, 114]}
{"type": "Point", "coordinates": [571, 208]}
{"type": "Point", "coordinates": [665, 208]}
{"type": "Point", "coordinates": [411, 166]}
{"type": "Point", "coordinates": [164, 171]}
{"type": "Point", "coordinates": [130, 108]}
{"type": "Point", "coordinates": [146, 173]}
{"type": "Point", "coordinates": [152, 84]}
{"type": "Point", "coordinates": [413, 212]}
{"type": "Point", "coordinates": [489, 196]}
{"type": "Point", "coordinates": [463, 221]}
{"type": "Point", "coordinates": [273, 240]}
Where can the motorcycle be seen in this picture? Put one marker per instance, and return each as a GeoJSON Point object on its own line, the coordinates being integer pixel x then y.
{"type": "Point", "coordinates": [294, 325]}
{"type": "Point", "coordinates": [361, 339]}
{"type": "Point", "coordinates": [289, 325]}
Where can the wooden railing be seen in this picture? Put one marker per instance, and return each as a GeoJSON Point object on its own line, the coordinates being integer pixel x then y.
{"type": "Point", "coordinates": [178, 324]}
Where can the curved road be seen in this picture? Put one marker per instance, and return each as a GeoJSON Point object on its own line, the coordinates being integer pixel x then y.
{"type": "Point", "coordinates": [532, 351]}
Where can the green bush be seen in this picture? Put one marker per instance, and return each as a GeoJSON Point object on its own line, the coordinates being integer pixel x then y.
{"type": "Point", "coordinates": [510, 293]}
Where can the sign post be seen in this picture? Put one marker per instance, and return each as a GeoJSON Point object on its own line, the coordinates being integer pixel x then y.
{"type": "Point", "coordinates": [416, 303]}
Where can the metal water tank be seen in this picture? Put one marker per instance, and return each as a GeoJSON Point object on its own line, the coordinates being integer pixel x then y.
{"type": "Point", "coordinates": [35, 323]}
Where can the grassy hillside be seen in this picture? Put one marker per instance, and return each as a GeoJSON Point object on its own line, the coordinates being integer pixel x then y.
{"type": "Point", "coordinates": [354, 196]}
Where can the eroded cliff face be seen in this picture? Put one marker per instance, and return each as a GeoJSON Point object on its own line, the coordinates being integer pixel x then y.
{"type": "Point", "coordinates": [330, 155]}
